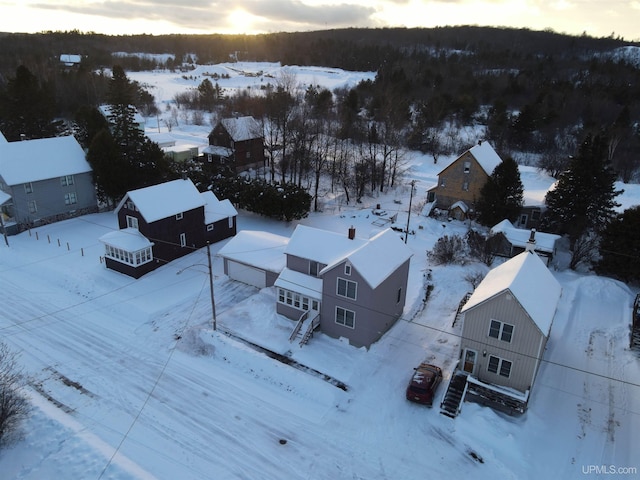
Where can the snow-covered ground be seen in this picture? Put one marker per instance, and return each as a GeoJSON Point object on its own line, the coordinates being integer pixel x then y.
{"type": "Point", "coordinates": [129, 380]}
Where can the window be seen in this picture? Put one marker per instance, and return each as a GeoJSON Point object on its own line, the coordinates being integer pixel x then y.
{"type": "Point", "coordinates": [501, 331]}
{"type": "Point", "coordinates": [465, 186]}
{"type": "Point", "coordinates": [281, 295]}
{"type": "Point", "coordinates": [443, 182]}
{"type": "Point", "coordinates": [315, 305]}
{"type": "Point", "coordinates": [179, 216]}
{"type": "Point", "coordinates": [132, 222]}
{"type": "Point", "coordinates": [230, 222]}
{"type": "Point", "coordinates": [347, 288]}
{"type": "Point", "coordinates": [130, 205]}
{"type": "Point", "coordinates": [467, 167]}
{"type": "Point", "coordinates": [131, 258]}
{"type": "Point", "coordinates": [210, 227]}
{"type": "Point", "coordinates": [32, 206]}
{"type": "Point", "coordinates": [28, 187]}
{"type": "Point", "coordinates": [183, 239]}
{"type": "Point", "coordinates": [70, 198]}
{"type": "Point", "coordinates": [67, 180]}
{"type": "Point", "coordinates": [399, 295]}
{"type": "Point", "coordinates": [345, 317]}
{"type": "Point", "coordinates": [248, 154]}
{"type": "Point", "coordinates": [500, 366]}
{"type": "Point", "coordinates": [347, 269]}
{"type": "Point", "coordinates": [297, 300]}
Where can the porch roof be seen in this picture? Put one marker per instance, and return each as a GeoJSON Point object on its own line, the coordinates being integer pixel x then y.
{"type": "Point", "coordinates": [127, 239]}
{"type": "Point", "coordinates": [299, 282]}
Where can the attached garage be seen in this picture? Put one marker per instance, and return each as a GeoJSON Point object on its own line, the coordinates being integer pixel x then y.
{"type": "Point", "coordinates": [255, 258]}
{"type": "Point", "coordinates": [245, 273]}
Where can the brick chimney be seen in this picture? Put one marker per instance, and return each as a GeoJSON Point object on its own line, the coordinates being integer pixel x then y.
{"type": "Point", "coordinates": [352, 232]}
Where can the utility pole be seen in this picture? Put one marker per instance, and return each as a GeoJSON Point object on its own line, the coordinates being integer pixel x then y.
{"type": "Point", "coordinates": [406, 234]}
{"type": "Point", "coordinates": [213, 303]}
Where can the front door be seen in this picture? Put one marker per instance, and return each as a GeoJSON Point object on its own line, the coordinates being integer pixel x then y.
{"type": "Point", "coordinates": [469, 360]}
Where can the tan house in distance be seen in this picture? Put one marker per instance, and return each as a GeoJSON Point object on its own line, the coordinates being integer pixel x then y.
{"type": "Point", "coordinates": [460, 183]}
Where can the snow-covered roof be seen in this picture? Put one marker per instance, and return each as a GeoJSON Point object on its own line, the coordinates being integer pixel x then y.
{"type": "Point", "coordinates": [242, 128]}
{"type": "Point", "coordinates": [461, 205]}
{"type": "Point", "coordinates": [529, 281]}
{"type": "Point", "coordinates": [3, 139]}
{"type": "Point", "coordinates": [41, 159]}
{"type": "Point", "coordinates": [299, 282]}
{"type": "Point", "coordinates": [374, 258]}
{"type": "Point", "coordinates": [260, 249]}
{"type": "Point", "coordinates": [162, 139]}
{"type": "Point", "coordinates": [486, 156]}
{"type": "Point", "coordinates": [165, 199]}
{"type": "Point", "coordinates": [518, 237]}
{"type": "Point", "coordinates": [378, 257]}
{"type": "Point", "coordinates": [215, 209]}
{"type": "Point", "coordinates": [128, 239]}
{"type": "Point", "coordinates": [322, 246]}
{"type": "Point", "coordinates": [70, 59]}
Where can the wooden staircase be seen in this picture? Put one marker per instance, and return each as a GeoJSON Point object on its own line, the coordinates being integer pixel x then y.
{"type": "Point", "coordinates": [305, 327]}
{"type": "Point", "coordinates": [454, 396]}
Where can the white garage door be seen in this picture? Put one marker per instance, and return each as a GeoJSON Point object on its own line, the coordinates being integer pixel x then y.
{"type": "Point", "coordinates": [246, 274]}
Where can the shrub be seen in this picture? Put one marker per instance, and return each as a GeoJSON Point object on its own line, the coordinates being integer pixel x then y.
{"type": "Point", "coordinates": [448, 250]}
{"type": "Point", "coordinates": [14, 407]}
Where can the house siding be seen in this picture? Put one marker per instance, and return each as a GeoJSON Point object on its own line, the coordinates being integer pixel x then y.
{"type": "Point", "coordinates": [168, 231]}
{"type": "Point", "coordinates": [376, 310]}
{"type": "Point", "coordinates": [221, 230]}
{"type": "Point", "coordinates": [49, 196]}
{"type": "Point", "coordinates": [454, 178]}
{"type": "Point", "coordinates": [246, 153]}
{"type": "Point", "coordinates": [522, 351]}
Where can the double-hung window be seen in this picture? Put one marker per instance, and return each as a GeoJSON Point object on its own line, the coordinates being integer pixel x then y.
{"type": "Point", "coordinates": [345, 317]}
{"type": "Point", "coordinates": [499, 366]}
{"type": "Point", "coordinates": [501, 331]}
{"type": "Point", "coordinates": [347, 288]}
{"type": "Point", "coordinates": [70, 198]}
{"type": "Point", "coordinates": [132, 222]}
{"type": "Point", "coordinates": [66, 181]}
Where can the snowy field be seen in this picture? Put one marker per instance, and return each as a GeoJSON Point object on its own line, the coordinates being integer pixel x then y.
{"type": "Point", "coordinates": [129, 380]}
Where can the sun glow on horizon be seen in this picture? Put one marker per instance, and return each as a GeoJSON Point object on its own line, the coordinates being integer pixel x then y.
{"type": "Point", "coordinates": [241, 21]}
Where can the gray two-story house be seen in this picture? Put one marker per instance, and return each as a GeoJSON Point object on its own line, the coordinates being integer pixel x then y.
{"type": "Point", "coordinates": [506, 325]}
{"type": "Point", "coordinates": [48, 180]}
{"type": "Point", "coordinates": [351, 287]}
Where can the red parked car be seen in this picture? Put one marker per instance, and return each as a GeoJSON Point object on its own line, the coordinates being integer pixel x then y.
{"type": "Point", "coordinates": [424, 384]}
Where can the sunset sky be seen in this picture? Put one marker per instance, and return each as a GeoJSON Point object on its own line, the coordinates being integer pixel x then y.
{"type": "Point", "coordinates": [597, 18]}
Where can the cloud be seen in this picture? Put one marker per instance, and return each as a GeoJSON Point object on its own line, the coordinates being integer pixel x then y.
{"type": "Point", "coordinates": [211, 16]}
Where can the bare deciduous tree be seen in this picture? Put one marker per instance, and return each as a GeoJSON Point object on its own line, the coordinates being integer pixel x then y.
{"type": "Point", "coordinates": [14, 407]}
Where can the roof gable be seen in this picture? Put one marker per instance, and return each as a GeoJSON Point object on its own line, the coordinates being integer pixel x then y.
{"type": "Point", "coordinates": [215, 210]}
{"type": "Point", "coordinates": [41, 159]}
{"type": "Point", "coordinates": [529, 281]}
{"type": "Point", "coordinates": [378, 258]}
{"type": "Point", "coordinates": [164, 200]}
{"type": "Point", "coordinates": [486, 156]}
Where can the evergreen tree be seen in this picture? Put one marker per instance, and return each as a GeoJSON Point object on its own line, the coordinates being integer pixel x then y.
{"type": "Point", "coordinates": [27, 108]}
{"type": "Point", "coordinates": [502, 195]}
{"type": "Point", "coordinates": [122, 157]}
{"type": "Point", "coordinates": [620, 247]}
{"type": "Point", "coordinates": [583, 197]}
